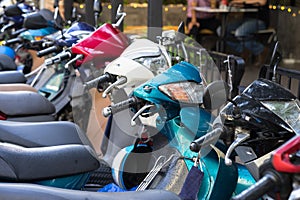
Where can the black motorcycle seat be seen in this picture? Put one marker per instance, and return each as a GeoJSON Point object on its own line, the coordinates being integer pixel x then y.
{"type": "Point", "coordinates": [39, 134]}
{"type": "Point", "coordinates": [8, 77]}
{"type": "Point", "coordinates": [7, 63]}
{"type": "Point", "coordinates": [24, 103]}
{"type": "Point", "coordinates": [25, 191]}
{"type": "Point", "coordinates": [21, 164]}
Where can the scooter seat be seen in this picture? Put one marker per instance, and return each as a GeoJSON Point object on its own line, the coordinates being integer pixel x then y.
{"type": "Point", "coordinates": [39, 134]}
{"type": "Point", "coordinates": [25, 191]}
{"type": "Point", "coordinates": [8, 77]}
{"type": "Point", "coordinates": [21, 164]}
{"type": "Point", "coordinates": [16, 87]}
{"type": "Point", "coordinates": [24, 103]}
{"type": "Point", "coordinates": [7, 63]}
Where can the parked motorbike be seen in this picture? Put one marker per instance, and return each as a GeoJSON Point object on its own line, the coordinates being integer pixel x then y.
{"type": "Point", "coordinates": [11, 24]}
{"type": "Point", "coordinates": [279, 176]}
{"type": "Point", "coordinates": [55, 83]}
{"type": "Point", "coordinates": [139, 62]}
{"type": "Point", "coordinates": [257, 122]}
{"type": "Point", "coordinates": [12, 18]}
{"type": "Point", "coordinates": [175, 95]}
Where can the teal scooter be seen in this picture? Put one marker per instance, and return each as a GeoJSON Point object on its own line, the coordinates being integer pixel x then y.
{"type": "Point", "coordinates": [182, 104]}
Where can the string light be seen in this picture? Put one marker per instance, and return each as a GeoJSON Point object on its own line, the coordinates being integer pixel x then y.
{"type": "Point", "coordinates": [293, 11]}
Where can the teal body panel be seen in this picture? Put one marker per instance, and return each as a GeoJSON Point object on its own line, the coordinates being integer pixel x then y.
{"type": "Point", "coordinates": [31, 34]}
{"type": "Point", "coordinates": [180, 72]}
{"type": "Point", "coordinates": [245, 179]}
{"type": "Point", "coordinates": [213, 165]}
{"type": "Point", "coordinates": [52, 86]}
{"type": "Point", "coordinates": [75, 182]}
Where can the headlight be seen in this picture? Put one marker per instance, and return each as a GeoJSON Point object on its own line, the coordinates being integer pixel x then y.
{"type": "Point", "coordinates": [289, 111]}
{"type": "Point", "coordinates": [155, 64]}
{"type": "Point", "coordinates": [185, 92]}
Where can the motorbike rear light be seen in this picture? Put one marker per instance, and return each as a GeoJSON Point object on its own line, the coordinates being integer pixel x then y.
{"type": "Point", "coordinates": [283, 158]}
{"type": "Point", "coordinates": [3, 116]}
{"type": "Point", "coordinates": [185, 92]}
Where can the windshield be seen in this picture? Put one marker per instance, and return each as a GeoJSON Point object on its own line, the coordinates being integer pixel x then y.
{"type": "Point", "coordinates": [288, 111]}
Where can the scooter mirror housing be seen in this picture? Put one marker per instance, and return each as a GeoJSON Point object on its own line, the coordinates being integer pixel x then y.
{"type": "Point", "coordinates": [42, 19]}
{"type": "Point", "coordinates": [215, 95]}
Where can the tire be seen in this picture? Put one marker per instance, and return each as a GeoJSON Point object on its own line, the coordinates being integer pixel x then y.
{"type": "Point", "coordinates": [100, 177]}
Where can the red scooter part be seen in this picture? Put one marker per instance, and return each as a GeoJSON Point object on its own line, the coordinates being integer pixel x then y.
{"type": "Point", "coordinates": [282, 157]}
{"type": "Point", "coordinates": [105, 44]}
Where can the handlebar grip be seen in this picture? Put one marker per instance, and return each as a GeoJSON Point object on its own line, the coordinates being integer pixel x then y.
{"type": "Point", "coordinates": [58, 58]}
{"type": "Point", "coordinates": [205, 140]}
{"type": "Point", "coordinates": [47, 51]}
{"type": "Point", "coordinates": [36, 42]}
{"type": "Point", "coordinates": [13, 41]}
{"type": "Point", "coordinates": [101, 79]}
{"type": "Point", "coordinates": [18, 32]}
{"type": "Point", "coordinates": [119, 106]}
{"type": "Point", "coordinates": [261, 187]}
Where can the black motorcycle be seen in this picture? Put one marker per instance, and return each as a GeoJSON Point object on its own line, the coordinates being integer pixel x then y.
{"type": "Point", "coordinates": [256, 122]}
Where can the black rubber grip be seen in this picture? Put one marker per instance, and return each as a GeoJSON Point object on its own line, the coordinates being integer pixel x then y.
{"type": "Point", "coordinates": [119, 106]}
{"type": "Point", "coordinates": [205, 140]}
{"type": "Point", "coordinates": [101, 79]}
{"type": "Point", "coordinates": [47, 51]}
{"type": "Point", "coordinates": [58, 58]}
{"type": "Point", "coordinates": [261, 187]}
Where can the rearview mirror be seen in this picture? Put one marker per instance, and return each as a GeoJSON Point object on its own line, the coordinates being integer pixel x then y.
{"type": "Point", "coordinates": [42, 19]}
{"type": "Point", "coordinates": [215, 95]}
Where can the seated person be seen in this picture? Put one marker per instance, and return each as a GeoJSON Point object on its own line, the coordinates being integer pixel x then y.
{"type": "Point", "coordinates": [197, 21]}
{"type": "Point", "coordinates": [242, 29]}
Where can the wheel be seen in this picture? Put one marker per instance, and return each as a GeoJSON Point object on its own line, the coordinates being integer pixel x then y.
{"type": "Point", "coordinates": [100, 177]}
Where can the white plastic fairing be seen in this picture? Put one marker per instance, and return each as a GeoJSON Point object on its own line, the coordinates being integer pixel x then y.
{"type": "Point", "coordinates": [141, 48]}
{"type": "Point", "coordinates": [134, 72]}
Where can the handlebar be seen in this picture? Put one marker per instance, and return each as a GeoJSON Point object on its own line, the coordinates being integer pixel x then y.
{"type": "Point", "coordinates": [18, 32]}
{"type": "Point", "coordinates": [119, 106]}
{"type": "Point", "coordinates": [261, 187]}
{"type": "Point", "coordinates": [58, 58]}
{"type": "Point", "coordinates": [101, 79]}
{"type": "Point", "coordinates": [205, 140]}
{"type": "Point", "coordinates": [13, 41]}
{"type": "Point", "coordinates": [47, 51]}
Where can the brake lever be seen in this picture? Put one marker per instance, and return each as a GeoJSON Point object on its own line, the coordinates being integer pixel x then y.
{"type": "Point", "coordinates": [138, 113]}
{"type": "Point", "coordinates": [77, 57]}
{"type": "Point", "coordinates": [241, 137]}
{"type": "Point", "coordinates": [120, 81]}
